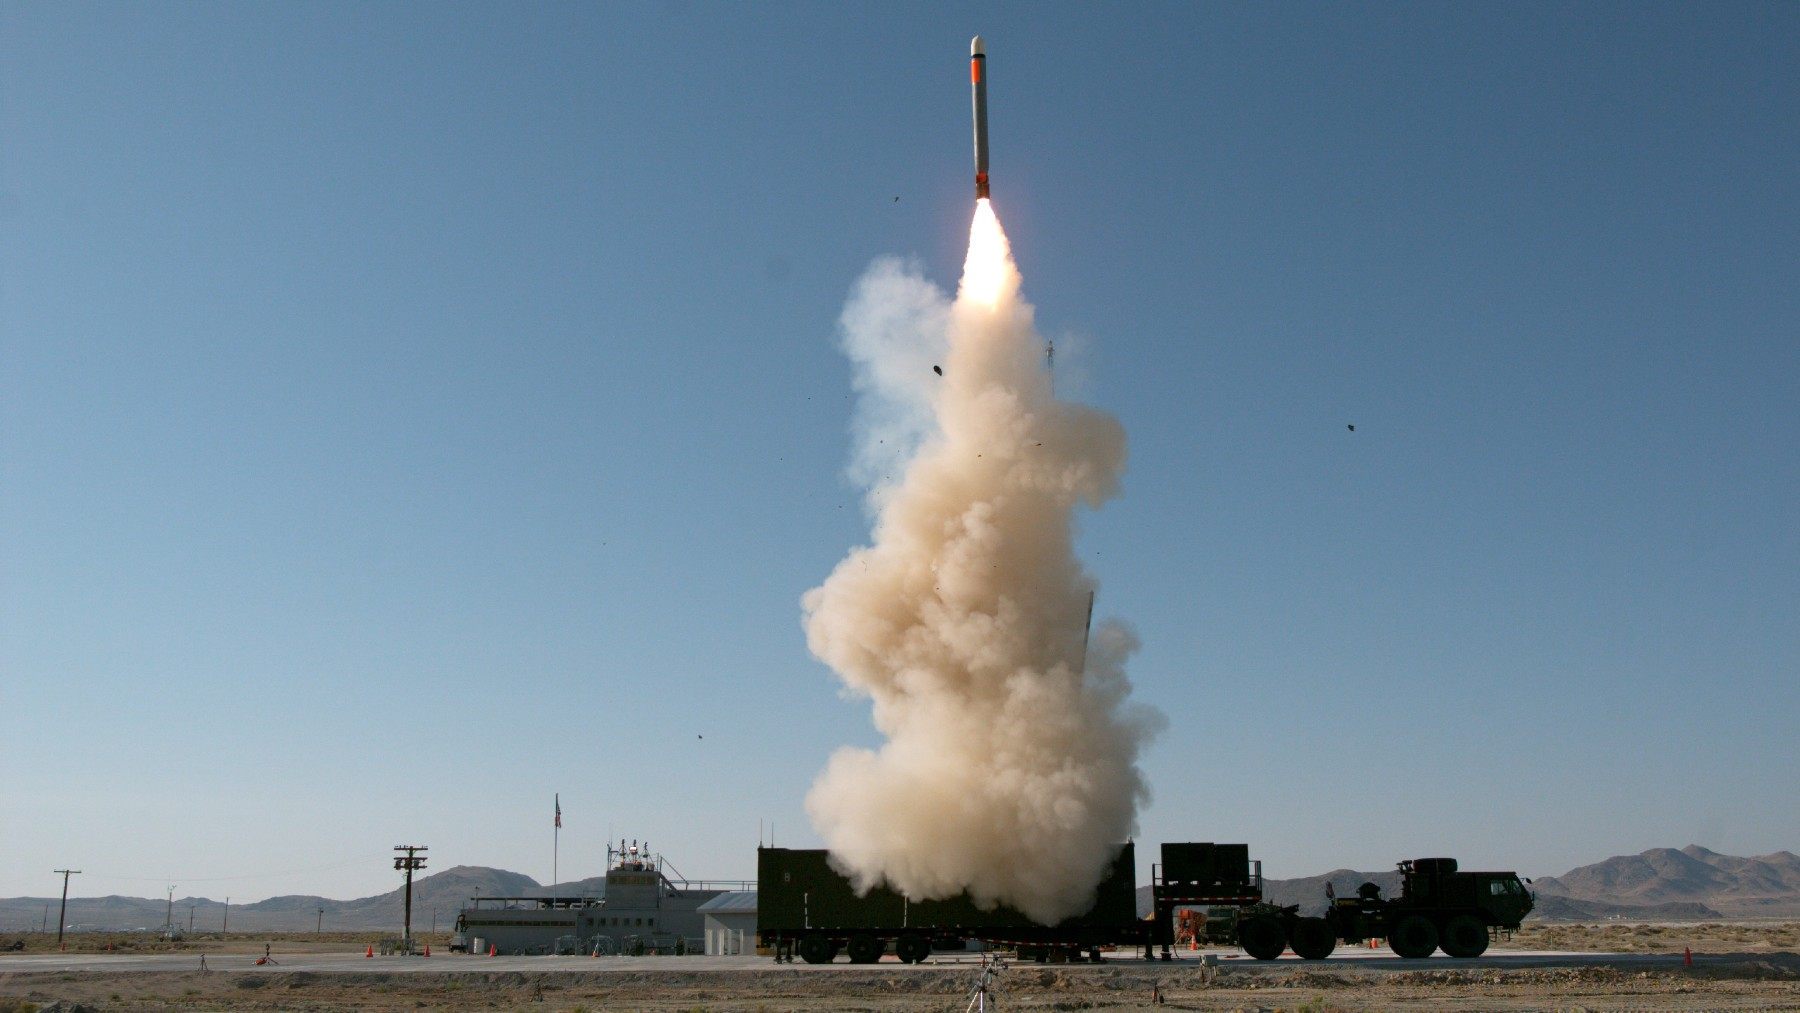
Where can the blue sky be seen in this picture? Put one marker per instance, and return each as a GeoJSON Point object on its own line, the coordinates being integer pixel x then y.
{"type": "Point", "coordinates": [410, 412]}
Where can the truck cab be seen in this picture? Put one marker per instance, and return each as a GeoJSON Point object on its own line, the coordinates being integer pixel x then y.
{"type": "Point", "coordinates": [1438, 906]}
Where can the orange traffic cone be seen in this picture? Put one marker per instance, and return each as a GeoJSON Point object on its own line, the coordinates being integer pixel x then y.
{"type": "Point", "coordinates": [428, 949]}
{"type": "Point", "coordinates": [370, 952]}
{"type": "Point", "coordinates": [492, 952]}
{"type": "Point", "coordinates": [1687, 956]}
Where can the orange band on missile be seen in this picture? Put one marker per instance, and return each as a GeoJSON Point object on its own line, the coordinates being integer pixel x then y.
{"type": "Point", "coordinates": [974, 71]}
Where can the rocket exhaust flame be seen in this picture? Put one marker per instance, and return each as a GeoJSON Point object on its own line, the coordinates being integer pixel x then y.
{"type": "Point", "coordinates": [988, 272]}
{"type": "Point", "coordinates": [1009, 768]}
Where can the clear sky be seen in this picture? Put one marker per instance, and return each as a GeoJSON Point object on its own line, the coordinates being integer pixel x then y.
{"type": "Point", "coordinates": [411, 411]}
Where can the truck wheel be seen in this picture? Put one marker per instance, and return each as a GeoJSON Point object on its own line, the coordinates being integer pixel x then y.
{"type": "Point", "coordinates": [1314, 938]}
{"type": "Point", "coordinates": [1465, 936]}
{"type": "Point", "coordinates": [1262, 938]}
{"type": "Point", "coordinates": [1414, 937]}
{"type": "Point", "coordinates": [817, 950]}
{"type": "Point", "coordinates": [913, 949]}
{"type": "Point", "coordinates": [866, 949]}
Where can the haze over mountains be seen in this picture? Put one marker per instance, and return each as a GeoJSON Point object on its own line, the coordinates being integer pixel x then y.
{"type": "Point", "coordinates": [1662, 884]}
{"type": "Point", "coordinates": [444, 893]}
{"type": "Point", "coordinates": [1765, 886]}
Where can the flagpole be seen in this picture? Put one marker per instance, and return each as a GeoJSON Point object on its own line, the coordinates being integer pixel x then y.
{"type": "Point", "coordinates": [556, 844]}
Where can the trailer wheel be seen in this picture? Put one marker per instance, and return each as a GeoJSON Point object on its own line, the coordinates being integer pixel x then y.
{"type": "Point", "coordinates": [1465, 936]}
{"type": "Point", "coordinates": [817, 950]}
{"type": "Point", "coordinates": [1313, 938]}
{"type": "Point", "coordinates": [913, 949]}
{"type": "Point", "coordinates": [1414, 937]}
{"type": "Point", "coordinates": [866, 949]}
{"type": "Point", "coordinates": [1262, 938]}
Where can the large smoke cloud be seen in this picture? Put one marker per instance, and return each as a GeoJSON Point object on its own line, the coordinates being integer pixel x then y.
{"type": "Point", "coordinates": [1010, 764]}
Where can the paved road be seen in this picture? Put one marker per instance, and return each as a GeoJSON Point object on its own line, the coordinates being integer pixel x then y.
{"type": "Point", "coordinates": [350, 963]}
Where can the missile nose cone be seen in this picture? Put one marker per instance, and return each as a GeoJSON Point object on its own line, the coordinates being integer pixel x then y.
{"type": "Point", "coordinates": [975, 47]}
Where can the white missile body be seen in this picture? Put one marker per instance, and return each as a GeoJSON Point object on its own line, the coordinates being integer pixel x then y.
{"type": "Point", "coordinates": [978, 84]}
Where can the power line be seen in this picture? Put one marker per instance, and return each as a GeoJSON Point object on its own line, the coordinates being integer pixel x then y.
{"type": "Point", "coordinates": [62, 914]}
{"type": "Point", "coordinates": [407, 863]}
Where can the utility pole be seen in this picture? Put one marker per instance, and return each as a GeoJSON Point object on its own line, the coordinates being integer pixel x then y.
{"type": "Point", "coordinates": [321, 926]}
{"type": "Point", "coordinates": [62, 913]}
{"type": "Point", "coordinates": [407, 863]}
{"type": "Point", "coordinates": [190, 917]}
{"type": "Point", "coordinates": [225, 923]}
{"type": "Point", "coordinates": [434, 921]}
{"type": "Point", "coordinates": [169, 918]}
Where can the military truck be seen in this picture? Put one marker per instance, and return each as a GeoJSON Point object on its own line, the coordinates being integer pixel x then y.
{"type": "Point", "coordinates": [1438, 906]}
{"type": "Point", "coordinates": [807, 909]}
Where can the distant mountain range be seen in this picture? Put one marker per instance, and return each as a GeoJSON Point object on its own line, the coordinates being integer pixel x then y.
{"type": "Point", "coordinates": [1662, 884]}
{"type": "Point", "coordinates": [442, 894]}
{"type": "Point", "coordinates": [1766, 886]}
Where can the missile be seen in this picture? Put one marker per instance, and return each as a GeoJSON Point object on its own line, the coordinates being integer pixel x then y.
{"type": "Point", "coordinates": [978, 84]}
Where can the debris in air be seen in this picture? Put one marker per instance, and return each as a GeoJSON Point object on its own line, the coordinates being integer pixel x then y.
{"type": "Point", "coordinates": [939, 370]}
{"type": "Point", "coordinates": [1353, 429]}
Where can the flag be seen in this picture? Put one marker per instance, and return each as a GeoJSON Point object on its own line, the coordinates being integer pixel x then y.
{"type": "Point", "coordinates": [559, 810]}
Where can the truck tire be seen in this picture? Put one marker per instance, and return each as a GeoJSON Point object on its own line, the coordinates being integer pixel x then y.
{"type": "Point", "coordinates": [1465, 936]}
{"type": "Point", "coordinates": [1414, 937]}
{"type": "Point", "coordinates": [913, 949]}
{"type": "Point", "coordinates": [866, 949]}
{"type": "Point", "coordinates": [1262, 938]}
{"type": "Point", "coordinates": [1313, 938]}
{"type": "Point", "coordinates": [817, 950]}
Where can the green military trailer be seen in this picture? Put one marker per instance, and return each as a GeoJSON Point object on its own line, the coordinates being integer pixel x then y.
{"type": "Point", "coordinates": [1217, 878]}
{"type": "Point", "coordinates": [806, 908]}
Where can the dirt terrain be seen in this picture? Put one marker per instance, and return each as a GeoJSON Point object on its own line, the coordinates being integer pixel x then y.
{"type": "Point", "coordinates": [1701, 937]}
{"type": "Point", "coordinates": [1746, 985]}
{"type": "Point", "coordinates": [1758, 973]}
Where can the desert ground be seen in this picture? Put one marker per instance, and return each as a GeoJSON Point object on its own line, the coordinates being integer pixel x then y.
{"type": "Point", "coordinates": [1591, 967]}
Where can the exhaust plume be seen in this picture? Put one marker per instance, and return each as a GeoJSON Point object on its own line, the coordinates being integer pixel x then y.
{"type": "Point", "coordinates": [1010, 768]}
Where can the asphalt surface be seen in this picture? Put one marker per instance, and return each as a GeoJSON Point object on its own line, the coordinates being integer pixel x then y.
{"type": "Point", "coordinates": [355, 963]}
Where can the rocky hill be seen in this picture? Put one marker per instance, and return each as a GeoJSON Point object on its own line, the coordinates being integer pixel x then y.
{"type": "Point", "coordinates": [1764, 886]}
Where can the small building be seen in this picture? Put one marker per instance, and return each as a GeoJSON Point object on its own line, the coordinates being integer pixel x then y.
{"type": "Point", "coordinates": [517, 925]}
{"type": "Point", "coordinates": [730, 923]}
{"type": "Point", "coordinates": [643, 910]}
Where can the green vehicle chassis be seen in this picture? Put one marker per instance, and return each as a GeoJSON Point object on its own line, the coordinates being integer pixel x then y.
{"type": "Point", "coordinates": [806, 908]}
